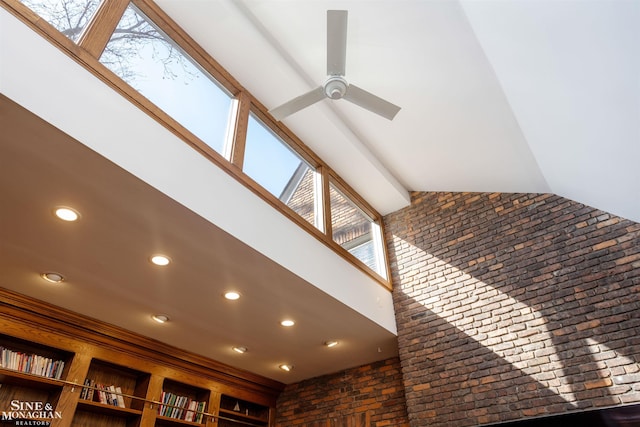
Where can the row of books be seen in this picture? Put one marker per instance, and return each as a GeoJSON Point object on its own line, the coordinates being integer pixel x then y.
{"type": "Point", "coordinates": [181, 407]}
{"type": "Point", "coordinates": [31, 363]}
{"type": "Point", "coordinates": [106, 394]}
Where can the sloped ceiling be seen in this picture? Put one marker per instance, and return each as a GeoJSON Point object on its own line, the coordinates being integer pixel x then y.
{"type": "Point", "coordinates": [511, 96]}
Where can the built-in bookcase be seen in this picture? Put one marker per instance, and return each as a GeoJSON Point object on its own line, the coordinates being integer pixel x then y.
{"type": "Point", "coordinates": [15, 386]}
{"type": "Point", "coordinates": [62, 362]}
{"type": "Point", "coordinates": [237, 412]}
{"type": "Point", "coordinates": [128, 385]}
{"type": "Point", "coordinates": [182, 404]}
{"type": "Point", "coordinates": [31, 372]}
{"type": "Point", "coordinates": [103, 417]}
{"type": "Point", "coordinates": [32, 358]}
{"type": "Point", "coordinates": [112, 394]}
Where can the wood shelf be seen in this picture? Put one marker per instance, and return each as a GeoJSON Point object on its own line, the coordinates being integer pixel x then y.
{"type": "Point", "coordinates": [176, 397]}
{"type": "Point", "coordinates": [168, 421]}
{"type": "Point", "coordinates": [9, 376]}
{"type": "Point", "coordinates": [131, 385]}
{"type": "Point", "coordinates": [238, 412]}
{"type": "Point", "coordinates": [101, 408]}
{"type": "Point", "coordinates": [240, 416]}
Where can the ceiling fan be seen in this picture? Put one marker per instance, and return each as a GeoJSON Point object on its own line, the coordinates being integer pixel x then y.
{"type": "Point", "coordinates": [336, 87]}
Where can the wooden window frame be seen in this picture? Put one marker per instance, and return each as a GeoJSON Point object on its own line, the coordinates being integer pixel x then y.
{"type": "Point", "coordinates": [367, 211]}
{"type": "Point", "coordinates": [87, 52]}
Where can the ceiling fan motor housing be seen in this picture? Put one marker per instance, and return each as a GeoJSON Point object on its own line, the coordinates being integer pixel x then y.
{"type": "Point", "coordinates": [335, 87]}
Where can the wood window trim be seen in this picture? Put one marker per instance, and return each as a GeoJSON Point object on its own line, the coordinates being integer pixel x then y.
{"type": "Point", "coordinates": [241, 123]}
{"type": "Point", "coordinates": [188, 45]}
{"type": "Point", "coordinates": [288, 137]}
{"type": "Point", "coordinates": [348, 192]}
{"type": "Point", "coordinates": [325, 198]}
{"type": "Point", "coordinates": [352, 195]}
{"type": "Point", "coordinates": [98, 31]}
{"type": "Point", "coordinates": [91, 62]}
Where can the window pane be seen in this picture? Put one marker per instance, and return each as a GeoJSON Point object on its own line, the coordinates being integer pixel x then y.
{"type": "Point", "coordinates": [151, 63]}
{"type": "Point", "coordinates": [355, 232]}
{"type": "Point", "coordinates": [281, 171]}
{"type": "Point", "coordinates": [67, 16]}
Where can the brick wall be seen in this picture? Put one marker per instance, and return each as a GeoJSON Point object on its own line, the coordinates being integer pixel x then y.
{"type": "Point", "coordinates": [376, 388]}
{"type": "Point", "coordinates": [512, 306]}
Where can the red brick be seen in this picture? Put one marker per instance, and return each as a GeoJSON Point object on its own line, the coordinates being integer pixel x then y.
{"type": "Point", "coordinates": [533, 304]}
{"type": "Point", "coordinates": [566, 270]}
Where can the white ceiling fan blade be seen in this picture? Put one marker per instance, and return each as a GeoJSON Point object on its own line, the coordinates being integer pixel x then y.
{"type": "Point", "coordinates": [371, 102]}
{"type": "Point", "coordinates": [336, 42]}
{"type": "Point", "coordinates": [298, 103]}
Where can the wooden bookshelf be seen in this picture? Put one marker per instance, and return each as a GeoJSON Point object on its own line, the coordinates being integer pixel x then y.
{"type": "Point", "coordinates": [31, 358]}
{"type": "Point", "coordinates": [31, 374]}
{"type": "Point", "coordinates": [139, 369]}
{"type": "Point", "coordinates": [123, 392]}
{"type": "Point", "coordinates": [237, 412]}
{"type": "Point", "coordinates": [182, 403]}
{"type": "Point", "coordinates": [86, 416]}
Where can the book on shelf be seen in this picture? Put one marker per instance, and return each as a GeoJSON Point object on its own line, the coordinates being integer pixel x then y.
{"type": "Point", "coordinates": [102, 393]}
{"type": "Point", "coordinates": [191, 411]}
{"type": "Point", "coordinates": [31, 363]}
{"type": "Point", "coordinates": [200, 412]}
{"type": "Point", "coordinates": [181, 407]}
{"type": "Point", "coordinates": [119, 397]}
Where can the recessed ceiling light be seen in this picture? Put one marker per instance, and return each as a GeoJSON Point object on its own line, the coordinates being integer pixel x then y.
{"type": "Point", "coordinates": [287, 323]}
{"type": "Point", "coordinates": [232, 295]}
{"type": "Point", "coordinates": [331, 343]}
{"type": "Point", "coordinates": [52, 277]}
{"type": "Point", "coordinates": [160, 260]}
{"type": "Point", "coordinates": [160, 318]}
{"type": "Point", "coordinates": [66, 214]}
{"type": "Point", "coordinates": [286, 367]}
{"type": "Point", "coordinates": [239, 349]}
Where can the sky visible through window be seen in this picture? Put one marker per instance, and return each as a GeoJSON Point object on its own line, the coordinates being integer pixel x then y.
{"type": "Point", "coordinates": [267, 160]}
{"type": "Point", "coordinates": [67, 16]}
{"type": "Point", "coordinates": [150, 62]}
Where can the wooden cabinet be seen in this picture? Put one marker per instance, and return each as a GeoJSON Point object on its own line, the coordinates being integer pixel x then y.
{"type": "Point", "coordinates": [57, 369]}
{"type": "Point", "coordinates": [182, 404]}
{"type": "Point", "coordinates": [112, 395]}
{"type": "Point", "coordinates": [237, 412]}
{"type": "Point", "coordinates": [30, 378]}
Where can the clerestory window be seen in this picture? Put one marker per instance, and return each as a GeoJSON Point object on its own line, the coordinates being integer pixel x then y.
{"type": "Point", "coordinates": [147, 59]}
{"type": "Point", "coordinates": [355, 231]}
{"type": "Point", "coordinates": [70, 17]}
{"type": "Point", "coordinates": [280, 170]}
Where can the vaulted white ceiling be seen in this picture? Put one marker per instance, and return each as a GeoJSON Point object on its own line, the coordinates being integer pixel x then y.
{"type": "Point", "coordinates": [512, 96]}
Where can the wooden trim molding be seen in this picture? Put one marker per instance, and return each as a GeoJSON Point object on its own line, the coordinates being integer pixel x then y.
{"type": "Point", "coordinates": [325, 196]}
{"type": "Point", "coordinates": [238, 142]}
{"type": "Point", "coordinates": [99, 30]}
